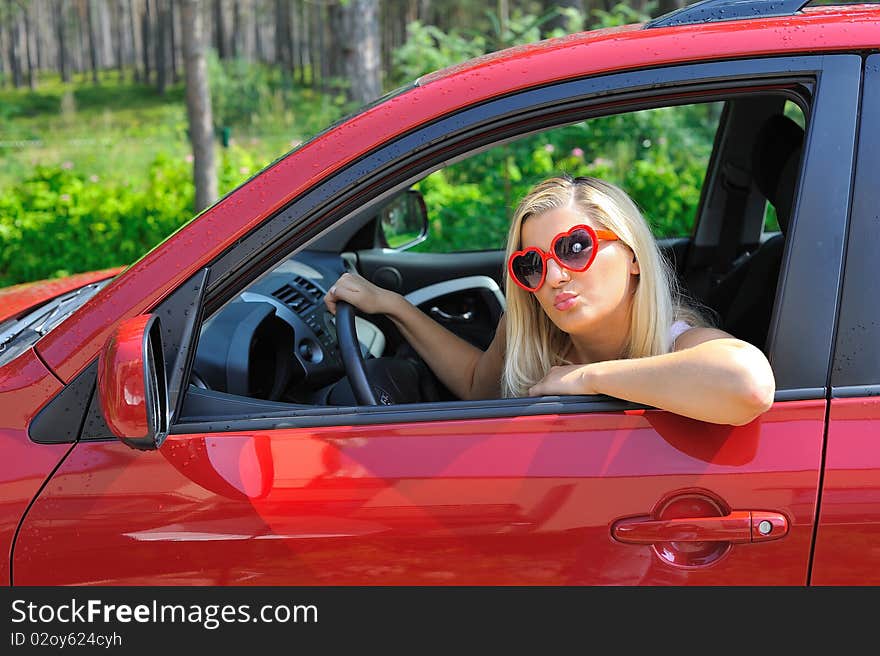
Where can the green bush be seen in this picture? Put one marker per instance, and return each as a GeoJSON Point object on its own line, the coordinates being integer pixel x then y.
{"type": "Point", "coordinates": [58, 222]}
{"type": "Point", "coordinates": [255, 98]}
{"type": "Point", "coordinates": [658, 157]}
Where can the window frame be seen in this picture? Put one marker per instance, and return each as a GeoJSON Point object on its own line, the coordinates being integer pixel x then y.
{"type": "Point", "coordinates": [395, 165]}
{"type": "Point", "coordinates": [857, 344]}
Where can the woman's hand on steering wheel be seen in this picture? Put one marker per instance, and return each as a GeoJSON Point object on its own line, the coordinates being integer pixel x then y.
{"type": "Point", "coordinates": [359, 292]}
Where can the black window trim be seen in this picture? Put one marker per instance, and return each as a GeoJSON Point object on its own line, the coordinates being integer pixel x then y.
{"type": "Point", "coordinates": [319, 417]}
{"type": "Point", "coordinates": [856, 368]}
{"type": "Point", "coordinates": [397, 164]}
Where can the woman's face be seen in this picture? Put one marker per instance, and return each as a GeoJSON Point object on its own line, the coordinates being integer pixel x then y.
{"type": "Point", "coordinates": [581, 302]}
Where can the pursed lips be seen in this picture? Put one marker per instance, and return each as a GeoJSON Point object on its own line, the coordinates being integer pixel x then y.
{"type": "Point", "coordinates": [564, 300]}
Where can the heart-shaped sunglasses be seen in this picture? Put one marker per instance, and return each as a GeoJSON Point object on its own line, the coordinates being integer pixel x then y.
{"type": "Point", "coordinates": [574, 250]}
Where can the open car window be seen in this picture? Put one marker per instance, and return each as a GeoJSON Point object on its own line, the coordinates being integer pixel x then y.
{"type": "Point", "coordinates": [659, 156]}
{"type": "Point", "coordinates": [272, 349]}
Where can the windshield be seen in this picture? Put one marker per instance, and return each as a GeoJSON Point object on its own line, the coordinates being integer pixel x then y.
{"type": "Point", "coordinates": [18, 335]}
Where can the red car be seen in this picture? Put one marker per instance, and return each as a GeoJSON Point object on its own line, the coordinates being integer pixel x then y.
{"type": "Point", "coordinates": [169, 423]}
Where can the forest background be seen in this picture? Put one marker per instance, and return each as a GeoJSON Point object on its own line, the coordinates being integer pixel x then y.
{"type": "Point", "coordinates": [96, 161]}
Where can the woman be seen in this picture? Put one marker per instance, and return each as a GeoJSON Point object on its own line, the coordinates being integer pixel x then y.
{"type": "Point", "coordinates": [592, 308]}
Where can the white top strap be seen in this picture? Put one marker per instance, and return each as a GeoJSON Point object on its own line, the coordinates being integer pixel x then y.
{"type": "Point", "coordinates": [677, 329]}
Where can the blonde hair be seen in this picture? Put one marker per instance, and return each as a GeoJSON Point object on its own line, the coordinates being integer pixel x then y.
{"type": "Point", "coordinates": [533, 342]}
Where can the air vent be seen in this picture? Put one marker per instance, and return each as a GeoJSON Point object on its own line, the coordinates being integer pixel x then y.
{"type": "Point", "coordinates": [300, 295]}
{"type": "Point", "coordinates": [293, 298]}
{"type": "Point", "coordinates": [311, 290]}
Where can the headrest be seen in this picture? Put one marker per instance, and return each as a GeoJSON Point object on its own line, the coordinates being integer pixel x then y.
{"type": "Point", "coordinates": [775, 163]}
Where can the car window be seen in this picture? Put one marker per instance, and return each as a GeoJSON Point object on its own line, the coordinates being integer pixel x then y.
{"type": "Point", "coordinates": [771, 222]}
{"type": "Point", "coordinates": [659, 156]}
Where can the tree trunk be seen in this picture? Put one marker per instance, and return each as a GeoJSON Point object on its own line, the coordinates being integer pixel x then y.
{"type": "Point", "coordinates": [219, 30]}
{"type": "Point", "coordinates": [82, 49]}
{"type": "Point", "coordinates": [118, 12]}
{"type": "Point", "coordinates": [560, 21]}
{"type": "Point", "coordinates": [38, 38]}
{"type": "Point", "coordinates": [173, 37]}
{"type": "Point", "coordinates": [132, 28]}
{"type": "Point", "coordinates": [283, 40]}
{"type": "Point", "coordinates": [362, 49]}
{"type": "Point", "coordinates": [279, 34]}
{"type": "Point", "coordinates": [28, 35]}
{"type": "Point", "coordinates": [320, 57]}
{"type": "Point", "coordinates": [93, 41]}
{"type": "Point", "coordinates": [145, 40]}
{"type": "Point", "coordinates": [3, 65]}
{"type": "Point", "coordinates": [339, 40]}
{"type": "Point", "coordinates": [14, 47]}
{"type": "Point", "coordinates": [235, 40]}
{"type": "Point", "coordinates": [198, 104]}
{"type": "Point", "coordinates": [105, 39]}
{"type": "Point", "coordinates": [63, 63]}
{"type": "Point", "coordinates": [300, 52]}
{"type": "Point", "coordinates": [665, 6]}
{"type": "Point", "coordinates": [258, 39]}
{"type": "Point", "coordinates": [161, 46]}
{"type": "Point", "coordinates": [316, 42]}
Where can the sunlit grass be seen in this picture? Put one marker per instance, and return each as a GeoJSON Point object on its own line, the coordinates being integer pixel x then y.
{"type": "Point", "coordinates": [113, 131]}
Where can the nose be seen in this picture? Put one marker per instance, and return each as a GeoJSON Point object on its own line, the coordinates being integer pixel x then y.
{"type": "Point", "coordinates": [556, 275]}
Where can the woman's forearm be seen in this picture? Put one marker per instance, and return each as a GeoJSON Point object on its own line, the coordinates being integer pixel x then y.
{"type": "Point", "coordinates": [722, 381]}
{"type": "Point", "coordinates": [453, 360]}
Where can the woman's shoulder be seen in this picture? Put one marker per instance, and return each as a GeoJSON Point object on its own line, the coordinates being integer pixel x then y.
{"type": "Point", "coordinates": [677, 329]}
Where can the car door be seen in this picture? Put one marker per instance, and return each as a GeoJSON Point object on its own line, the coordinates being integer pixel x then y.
{"type": "Point", "coordinates": [848, 534]}
{"type": "Point", "coordinates": [551, 490]}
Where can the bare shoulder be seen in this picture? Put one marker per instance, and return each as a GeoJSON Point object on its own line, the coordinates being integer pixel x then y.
{"type": "Point", "coordinates": [698, 335]}
{"type": "Point", "coordinates": [498, 343]}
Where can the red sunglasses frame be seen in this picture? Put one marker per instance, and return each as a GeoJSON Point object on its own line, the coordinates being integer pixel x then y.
{"type": "Point", "coordinates": [595, 235]}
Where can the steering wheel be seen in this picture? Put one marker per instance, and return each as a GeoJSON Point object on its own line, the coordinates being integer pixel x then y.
{"type": "Point", "coordinates": [352, 358]}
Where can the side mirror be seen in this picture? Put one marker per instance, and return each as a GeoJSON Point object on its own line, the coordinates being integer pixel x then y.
{"type": "Point", "coordinates": [403, 221]}
{"type": "Point", "coordinates": [132, 388]}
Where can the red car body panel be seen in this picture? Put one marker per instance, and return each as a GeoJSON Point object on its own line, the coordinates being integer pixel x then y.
{"type": "Point", "coordinates": [848, 536]}
{"type": "Point", "coordinates": [75, 343]}
{"type": "Point", "coordinates": [25, 385]}
{"type": "Point", "coordinates": [525, 500]}
{"type": "Point", "coordinates": [20, 298]}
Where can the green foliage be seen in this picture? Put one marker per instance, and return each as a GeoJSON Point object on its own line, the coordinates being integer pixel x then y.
{"type": "Point", "coordinates": [57, 222]}
{"type": "Point", "coordinates": [622, 14]}
{"type": "Point", "coordinates": [658, 157]}
{"type": "Point", "coordinates": [428, 49]}
{"type": "Point", "coordinates": [257, 98]}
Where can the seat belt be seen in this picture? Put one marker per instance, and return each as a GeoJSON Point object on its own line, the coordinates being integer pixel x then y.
{"type": "Point", "coordinates": [737, 185]}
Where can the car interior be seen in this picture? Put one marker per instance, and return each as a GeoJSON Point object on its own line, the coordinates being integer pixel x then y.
{"type": "Point", "coordinates": [275, 345]}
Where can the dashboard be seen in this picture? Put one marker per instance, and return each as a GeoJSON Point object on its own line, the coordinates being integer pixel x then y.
{"type": "Point", "coordinates": [278, 334]}
{"type": "Point", "coordinates": [276, 341]}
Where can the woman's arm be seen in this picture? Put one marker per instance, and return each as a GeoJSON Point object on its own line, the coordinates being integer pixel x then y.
{"type": "Point", "coordinates": [711, 376]}
{"type": "Point", "coordinates": [467, 371]}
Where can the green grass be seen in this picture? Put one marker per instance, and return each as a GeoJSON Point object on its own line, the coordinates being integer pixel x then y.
{"type": "Point", "coordinates": [113, 131]}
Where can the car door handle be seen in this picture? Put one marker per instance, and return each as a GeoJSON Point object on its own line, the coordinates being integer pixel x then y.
{"type": "Point", "coordinates": [464, 317]}
{"type": "Point", "coordinates": [738, 527]}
